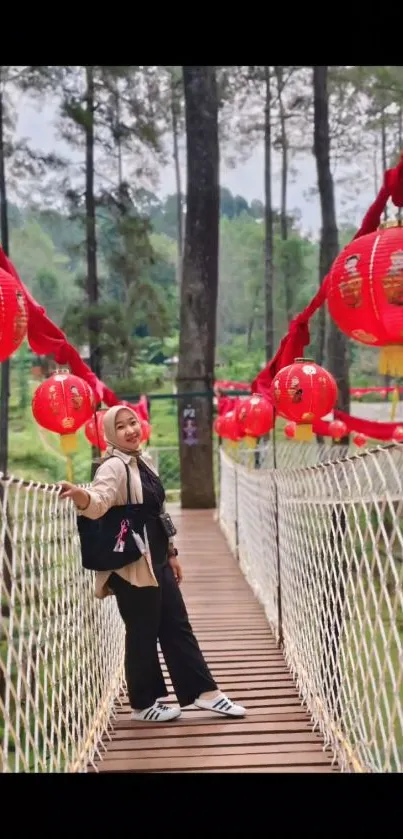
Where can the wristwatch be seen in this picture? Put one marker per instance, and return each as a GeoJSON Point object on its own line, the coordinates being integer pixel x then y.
{"type": "Point", "coordinates": [172, 551]}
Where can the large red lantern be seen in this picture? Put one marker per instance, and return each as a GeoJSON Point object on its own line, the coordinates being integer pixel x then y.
{"type": "Point", "coordinates": [13, 315]}
{"type": "Point", "coordinates": [254, 416]}
{"type": "Point", "coordinates": [365, 293]}
{"type": "Point", "coordinates": [303, 392]}
{"type": "Point", "coordinates": [63, 403]}
{"type": "Point", "coordinates": [94, 431]}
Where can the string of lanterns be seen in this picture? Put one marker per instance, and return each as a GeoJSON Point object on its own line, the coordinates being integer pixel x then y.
{"type": "Point", "coordinates": [364, 298]}
{"type": "Point", "coordinates": [301, 393]}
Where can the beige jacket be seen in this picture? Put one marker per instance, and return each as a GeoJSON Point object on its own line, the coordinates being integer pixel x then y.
{"type": "Point", "coordinates": [108, 489]}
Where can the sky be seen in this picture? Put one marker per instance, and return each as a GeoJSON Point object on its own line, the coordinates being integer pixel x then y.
{"type": "Point", "coordinates": [245, 178]}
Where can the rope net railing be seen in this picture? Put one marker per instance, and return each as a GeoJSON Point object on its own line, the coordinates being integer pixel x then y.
{"type": "Point", "coordinates": [321, 545]}
{"type": "Point", "coordinates": [61, 650]}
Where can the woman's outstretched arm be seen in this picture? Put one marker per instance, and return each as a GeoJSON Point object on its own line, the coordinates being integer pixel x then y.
{"type": "Point", "coordinates": [95, 501]}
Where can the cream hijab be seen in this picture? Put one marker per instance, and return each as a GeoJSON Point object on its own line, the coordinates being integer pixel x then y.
{"type": "Point", "coordinates": [110, 437]}
{"type": "Point", "coordinates": [110, 418]}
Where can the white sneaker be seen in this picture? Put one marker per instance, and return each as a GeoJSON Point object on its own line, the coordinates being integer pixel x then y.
{"type": "Point", "coordinates": [221, 705]}
{"type": "Point", "coordinates": [157, 713]}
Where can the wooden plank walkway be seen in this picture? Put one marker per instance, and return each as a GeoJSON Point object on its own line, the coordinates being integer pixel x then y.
{"type": "Point", "coordinates": [231, 627]}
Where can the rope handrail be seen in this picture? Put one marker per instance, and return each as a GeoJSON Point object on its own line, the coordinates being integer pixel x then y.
{"type": "Point", "coordinates": [319, 541]}
{"type": "Point", "coordinates": [61, 650]}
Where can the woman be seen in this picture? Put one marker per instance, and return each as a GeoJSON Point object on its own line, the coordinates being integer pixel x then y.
{"type": "Point", "coordinates": [147, 590]}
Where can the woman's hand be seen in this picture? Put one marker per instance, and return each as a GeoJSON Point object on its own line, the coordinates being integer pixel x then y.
{"type": "Point", "coordinates": [79, 496]}
{"type": "Point", "coordinates": [176, 568]}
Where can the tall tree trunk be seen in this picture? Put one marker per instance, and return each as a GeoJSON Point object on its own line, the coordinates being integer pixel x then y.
{"type": "Point", "coordinates": [5, 570]}
{"type": "Point", "coordinates": [118, 136]}
{"type": "Point", "coordinates": [268, 219]}
{"type": "Point", "coordinates": [90, 220]}
{"type": "Point", "coordinates": [337, 347]}
{"type": "Point", "coordinates": [5, 367]}
{"type": "Point", "coordinates": [199, 289]}
{"type": "Point", "coordinates": [175, 109]}
{"type": "Point", "coordinates": [284, 183]}
{"type": "Point", "coordinates": [252, 318]}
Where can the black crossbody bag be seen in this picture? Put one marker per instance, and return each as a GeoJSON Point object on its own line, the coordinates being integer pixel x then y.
{"type": "Point", "coordinates": [116, 538]}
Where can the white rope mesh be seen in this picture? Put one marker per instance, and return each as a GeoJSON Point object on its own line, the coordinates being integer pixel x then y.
{"type": "Point", "coordinates": [61, 650]}
{"type": "Point", "coordinates": [322, 530]}
{"type": "Point", "coordinates": [337, 557]}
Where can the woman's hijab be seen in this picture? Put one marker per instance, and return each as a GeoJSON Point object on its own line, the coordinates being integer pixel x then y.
{"type": "Point", "coordinates": [110, 418]}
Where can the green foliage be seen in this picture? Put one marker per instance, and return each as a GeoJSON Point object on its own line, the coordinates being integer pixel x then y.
{"type": "Point", "coordinates": [138, 288]}
{"type": "Point", "coordinates": [241, 298]}
{"type": "Point", "coordinates": [43, 269]}
{"type": "Point", "coordinates": [145, 378]}
{"type": "Point", "coordinates": [235, 365]}
{"type": "Point", "coordinates": [139, 305]}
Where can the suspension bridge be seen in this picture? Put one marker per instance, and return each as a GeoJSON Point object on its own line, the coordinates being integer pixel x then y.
{"type": "Point", "coordinates": [294, 588]}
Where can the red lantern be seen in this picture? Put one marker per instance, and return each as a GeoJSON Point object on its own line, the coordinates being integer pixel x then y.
{"type": "Point", "coordinates": [145, 430]}
{"type": "Point", "coordinates": [303, 392]}
{"type": "Point", "coordinates": [95, 433]}
{"type": "Point", "coordinates": [289, 430]}
{"type": "Point", "coordinates": [359, 440]}
{"type": "Point", "coordinates": [218, 422]}
{"type": "Point", "coordinates": [337, 429]}
{"type": "Point", "coordinates": [255, 416]}
{"type": "Point", "coordinates": [397, 435]}
{"type": "Point", "coordinates": [63, 403]}
{"type": "Point", "coordinates": [365, 294]}
{"type": "Point", "coordinates": [230, 428]}
{"type": "Point", "coordinates": [13, 315]}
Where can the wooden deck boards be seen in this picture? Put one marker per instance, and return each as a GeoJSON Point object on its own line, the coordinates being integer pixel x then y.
{"type": "Point", "coordinates": [231, 627]}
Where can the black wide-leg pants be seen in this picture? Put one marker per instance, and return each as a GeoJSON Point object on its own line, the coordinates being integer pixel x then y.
{"type": "Point", "coordinates": [152, 614]}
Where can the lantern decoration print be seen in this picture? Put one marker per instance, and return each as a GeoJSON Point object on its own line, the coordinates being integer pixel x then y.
{"type": "Point", "coordinates": [94, 431]}
{"type": "Point", "coordinates": [62, 404]}
{"type": "Point", "coordinates": [365, 293]}
{"type": "Point", "coordinates": [303, 392]}
{"type": "Point", "coordinates": [254, 416]}
{"type": "Point", "coordinates": [13, 315]}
